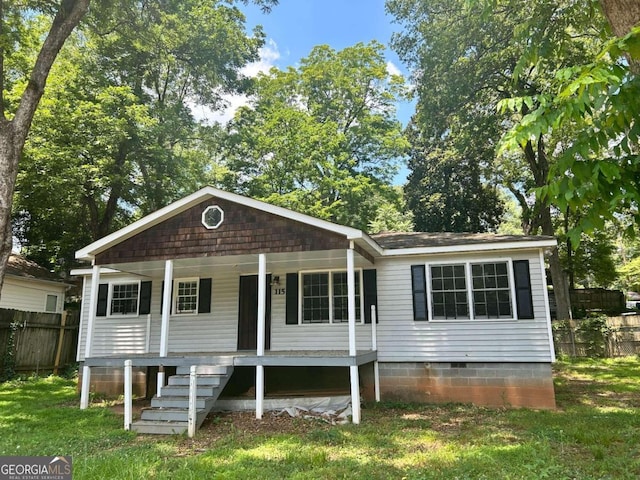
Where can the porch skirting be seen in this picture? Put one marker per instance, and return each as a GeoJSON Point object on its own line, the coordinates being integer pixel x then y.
{"type": "Point", "coordinates": [109, 381]}
{"type": "Point", "coordinates": [488, 384]}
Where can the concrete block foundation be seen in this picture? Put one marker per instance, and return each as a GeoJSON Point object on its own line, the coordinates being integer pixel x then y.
{"type": "Point", "coordinates": [488, 384]}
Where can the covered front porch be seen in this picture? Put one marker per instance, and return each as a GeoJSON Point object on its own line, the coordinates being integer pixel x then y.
{"type": "Point", "coordinates": [236, 281]}
{"type": "Point", "coordinates": [251, 321]}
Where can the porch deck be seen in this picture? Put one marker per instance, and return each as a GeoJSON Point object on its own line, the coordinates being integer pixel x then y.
{"type": "Point", "coordinates": [246, 358]}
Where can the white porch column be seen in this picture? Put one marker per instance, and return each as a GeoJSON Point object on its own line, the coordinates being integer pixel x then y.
{"type": "Point", "coordinates": [351, 300]}
{"type": "Point", "coordinates": [351, 305]}
{"type": "Point", "coordinates": [166, 314]}
{"type": "Point", "coordinates": [262, 308]}
{"type": "Point", "coordinates": [262, 302]}
{"type": "Point", "coordinates": [91, 320]}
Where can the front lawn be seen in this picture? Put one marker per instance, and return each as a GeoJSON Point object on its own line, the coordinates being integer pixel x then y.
{"type": "Point", "coordinates": [595, 433]}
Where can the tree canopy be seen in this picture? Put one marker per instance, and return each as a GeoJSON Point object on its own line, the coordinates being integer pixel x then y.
{"type": "Point", "coordinates": [468, 59]}
{"type": "Point", "coordinates": [321, 138]}
{"type": "Point", "coordinates": [115, 136]}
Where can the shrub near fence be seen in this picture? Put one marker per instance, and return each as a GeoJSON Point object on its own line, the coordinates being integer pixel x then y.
{"type": "Point", "coordinates": [37, 342]}
{"type": "Point", "coordinates": [598, 336]}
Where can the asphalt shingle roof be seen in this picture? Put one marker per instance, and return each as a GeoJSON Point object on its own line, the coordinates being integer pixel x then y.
{"type": "Point", "coordinates": [424, 239]}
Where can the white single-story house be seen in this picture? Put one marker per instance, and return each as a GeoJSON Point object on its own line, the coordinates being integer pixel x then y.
{"type": "Point", "coordinates": [31, 288]}
{"type": "Point", "coordinates": [224, 281]}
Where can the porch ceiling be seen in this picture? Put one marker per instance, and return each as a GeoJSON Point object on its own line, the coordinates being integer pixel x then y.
{"type": "Point", "coordinates": [244, 264]}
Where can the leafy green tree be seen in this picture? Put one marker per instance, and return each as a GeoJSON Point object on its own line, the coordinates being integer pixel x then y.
{"type": "Point", "coordinates": [445, 189]}
{"type": "Point", "coordinates": [116, 137]}
{"type": "Point", "coordinates": [392, 216]}
{"type": "Point", "coordinates": [467, 59]}
{"type": "Point", "coordinates": [597, 169]}
{"type": "Point", "coordinates": [592, 263]}
{"type": "Point", "coordinates": [321, 138]}
{"type": "Point", "coordinates": [26, 76]}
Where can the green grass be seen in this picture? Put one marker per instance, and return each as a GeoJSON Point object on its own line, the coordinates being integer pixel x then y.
{"type": "Point", "coordinates": [594, 434]}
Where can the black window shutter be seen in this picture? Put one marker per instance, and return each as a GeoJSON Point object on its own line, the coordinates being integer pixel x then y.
{"type": "Point", "coordinates": [370, 293]}
{"type": "Point", "coordinates": [524, 300]}
{"type": "Point", "coordinates": [145, 298]}
{"type": "Point", "coordinates": [103, 297]}
{"type": "Point", "coordinates": [292, 299]}
{"type": "Point", "coordinates": [162, 295]}
{"type": "Point", "coordinates": [419, 291]}
{"type": "Point", "coordinates": [204, 296]}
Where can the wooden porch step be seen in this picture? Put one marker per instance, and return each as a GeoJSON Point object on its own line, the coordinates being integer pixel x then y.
{"type": "Point", "coordinates": [183, 390]}
{"type": "Point", "coordinates": [178, 402]}
{"type": "Point", "coordinates": [169, 412]}
{"type": "Point", "coordinates": [213, 380]}
{"type": "Point", "coordinates": [160, 427]}
{"type": "Point", "coordinates": [206, 370]}
{"type": "Point", "coordinates": [171, 415]}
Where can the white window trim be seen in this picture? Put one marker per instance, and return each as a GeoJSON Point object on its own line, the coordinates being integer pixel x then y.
{"type": "Point", "coordinates": [330, 272]}
{"type": "Point", "coordinates": [469, 279]}
{"type": "Point", "coordinates": [46, 298]}
{"type": "Point", "coordinates": [175, 295]}
{"type": "Point", "coordinates": [110, 297]}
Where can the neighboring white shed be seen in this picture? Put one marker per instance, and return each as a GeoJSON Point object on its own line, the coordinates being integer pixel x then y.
{"type": "Point", "coordinates": [31, 288]}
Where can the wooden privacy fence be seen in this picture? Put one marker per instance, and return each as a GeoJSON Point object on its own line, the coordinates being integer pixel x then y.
{"type": "Point", "coordinates": [598, 337]}
{"type": "Point", "coordinates": [37, 342]}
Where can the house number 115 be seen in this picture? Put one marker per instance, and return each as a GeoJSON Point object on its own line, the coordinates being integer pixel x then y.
{"type": "Point", "coordinates": [279, 291]}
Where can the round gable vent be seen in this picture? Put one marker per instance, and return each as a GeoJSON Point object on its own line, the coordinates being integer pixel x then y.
{"type": "Point", "coordinates": [212, 217]}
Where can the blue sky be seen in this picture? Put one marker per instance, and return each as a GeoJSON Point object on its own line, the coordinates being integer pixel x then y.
{"type": "Point", "coordinates": [294, 27]}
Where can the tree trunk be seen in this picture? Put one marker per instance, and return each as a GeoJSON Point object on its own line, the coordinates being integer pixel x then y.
{"type": "Point", "coordinates": [8, 173]}
{"type": "Point", "coordinates": [558, 277]}
{"type": "Point", "coordinates": [13, 134]}
{"type": "Point", "coordinates": [539, 164]}
{"type": "Point", "coordinates": [623, 15]}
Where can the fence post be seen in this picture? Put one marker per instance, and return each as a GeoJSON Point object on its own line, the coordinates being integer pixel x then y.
{"type": "Point", "coordinates": [63, 323]}
{"type": "Point", "coordinates": [128, 415]}
{"type": "Point", "coordinates": [193, 395]}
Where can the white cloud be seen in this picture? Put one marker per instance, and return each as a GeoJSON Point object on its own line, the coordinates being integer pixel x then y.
{"type": "Point", "coordinates": [392, 69]}
{"type": "Point", "coordinates": [269, 54]}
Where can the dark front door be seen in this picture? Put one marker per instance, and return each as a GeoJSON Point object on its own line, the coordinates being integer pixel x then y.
{"type": "Point", "coordinates": [248, 313]}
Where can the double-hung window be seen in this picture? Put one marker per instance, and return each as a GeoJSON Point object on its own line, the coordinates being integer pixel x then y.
{"type": "Point", "coordinates": [186, 300]}
{"type": "Point", "coordinates": [124, 298]}
{"type": "Point", "coordinates": [324, 297]}
{"type": "Point", "coordinates": [449, 292]}
{"type": "Point", "coordinates": [472, 290]}
{"type": "Point", "coordinates": [491, 290]}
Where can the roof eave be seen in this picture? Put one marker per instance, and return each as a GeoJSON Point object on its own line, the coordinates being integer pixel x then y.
{"type": "Point", "coordinates": [469, 248]}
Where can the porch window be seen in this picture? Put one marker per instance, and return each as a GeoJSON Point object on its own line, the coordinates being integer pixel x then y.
{"type": "Point", "coordinates": [325, 299]}
{"type": "Point", "coordinates": [186, 295]}
{"type": "Point", "coordinates": [124, 298]}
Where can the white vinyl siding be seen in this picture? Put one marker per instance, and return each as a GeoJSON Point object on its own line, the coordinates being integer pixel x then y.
{"type": "Point", "coordinates": [30, 295]}
{"type": "Point", "coordinates": [400, 338]}
{"type": "Point", "coordinates": [211, 332]}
